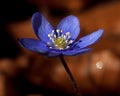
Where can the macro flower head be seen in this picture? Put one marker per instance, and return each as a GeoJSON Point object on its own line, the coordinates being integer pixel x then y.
{"type": "Point", "coordinates": [60, 40]}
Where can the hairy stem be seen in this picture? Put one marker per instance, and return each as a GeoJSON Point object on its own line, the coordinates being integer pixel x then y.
{"type": "Point", "coordinates": [77, 93]}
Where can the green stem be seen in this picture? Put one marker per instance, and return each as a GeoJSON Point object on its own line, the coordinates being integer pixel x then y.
{"type": "Point", "coordinates": [70, 75]}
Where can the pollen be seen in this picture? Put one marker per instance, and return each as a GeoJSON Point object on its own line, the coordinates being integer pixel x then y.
{"type": "Point", "coordinates": [59, 40]}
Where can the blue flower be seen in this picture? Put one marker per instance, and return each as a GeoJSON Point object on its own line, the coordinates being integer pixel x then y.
{"type": "Point", "coordinates": [60, 40]}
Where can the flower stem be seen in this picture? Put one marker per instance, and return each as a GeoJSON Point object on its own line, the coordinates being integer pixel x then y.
{"type": "Point", "coordinates": [70, 76]}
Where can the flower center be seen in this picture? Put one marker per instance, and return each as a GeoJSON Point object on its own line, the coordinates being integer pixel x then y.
{"type": "Point", "coordinates": [59, 40]}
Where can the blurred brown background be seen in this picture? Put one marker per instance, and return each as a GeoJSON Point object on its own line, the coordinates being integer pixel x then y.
{"type": "Point", "coordinates": [24, 73]}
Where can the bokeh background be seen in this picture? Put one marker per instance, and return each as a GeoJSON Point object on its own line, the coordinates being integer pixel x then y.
{"type": "Point", "coordinates": [24, 73]}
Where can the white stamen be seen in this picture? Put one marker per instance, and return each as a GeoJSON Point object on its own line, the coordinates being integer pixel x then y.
{"type": "Point", "coordinates": [64, 37]}
{"type": "Point", "coordinates": [54, 36]}
{"type": "Point", "coordinates": [49, 35]}
{"type": "Point", "coordinates": [66, 41]}
{"type": "Point", "coordinates": [50, 47]}
{"type": "Point", "coordinates": [56, 45]}
{"type": "Point", "coordinates": [61, 48]}
{"type": "Point", "coordinates": [71, 41]}
{"type": "Point", "coordinates": [53, 31]}
{"type": "Point", "coordinates": [57, 30]}
{"type": "Point", "coordinates": [68, 33]}
{"type": "Point", "coordinates": [67, 47]}
{"type": "Point", "coordinates": [53, 40]}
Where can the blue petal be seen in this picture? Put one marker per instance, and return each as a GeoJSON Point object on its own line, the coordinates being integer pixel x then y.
{"type": "Point", "coordinates": [53, 53]}
{"type": "Point", "coordinates": [75, 51]}
{"type": "Point", "coordinates": [89, 39]}
{"type": "Point", "coordinates": [44, 29]}
{"type": "Point", "coordinates": [36, 22]}
{"type": "Point", "coordinates": [70, 24]}
{"type": "Point", "coordinates": [34, 45]}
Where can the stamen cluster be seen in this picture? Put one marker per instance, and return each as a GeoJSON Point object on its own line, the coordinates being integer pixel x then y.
{"type": "Point", "coordinates": [59, 40]}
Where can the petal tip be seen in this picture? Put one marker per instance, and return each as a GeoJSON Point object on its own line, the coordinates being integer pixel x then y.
{"type": "Point", "coordinates": [36, 22]}
{"type": "Point", "coordinates": [36, 14]}
{"type": "Point", "coordinates": [21, 41]}
{"type": "Point", "coordinates": [100, 32]}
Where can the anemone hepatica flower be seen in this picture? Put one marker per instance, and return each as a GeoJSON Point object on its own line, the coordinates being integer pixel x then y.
{"type": "Point", "coordinates": [60, 40]}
